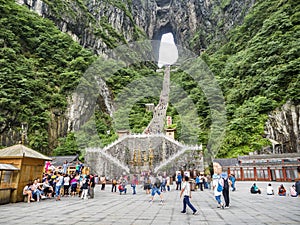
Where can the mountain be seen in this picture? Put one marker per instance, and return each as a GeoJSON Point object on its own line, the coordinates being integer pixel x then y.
{"type": "Point", "coordinates": [250, 46]}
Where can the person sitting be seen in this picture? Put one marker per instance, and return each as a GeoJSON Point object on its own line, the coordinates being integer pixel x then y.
{"type": "Point", "coordinates": [281, 190]}
{"type": "Point", "coordinates": [122, 188]}
{"type": "Point", "coordinates": [36, 192]}
{"type": "Point", "coordinates": [47, 189]}
{"type": "Point", "coordinates": [293, 191]}
{"type": "Point", "coordinates": [254, 189]}
{"type": "Point", "coordinates": [270, 190]}
{"type": "Point", "coordinates": [27, 192]}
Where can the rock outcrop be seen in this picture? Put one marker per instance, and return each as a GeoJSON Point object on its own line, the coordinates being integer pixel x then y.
{"type": "Point", "coordinates": [283, 129]}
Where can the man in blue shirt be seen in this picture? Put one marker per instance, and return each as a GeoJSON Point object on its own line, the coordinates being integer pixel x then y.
{"type": "Point", "coordinates": [179, 181]}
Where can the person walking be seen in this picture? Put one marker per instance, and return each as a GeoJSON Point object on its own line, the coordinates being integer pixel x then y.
{"type": "Point", "coordinates": [218, 188]}
{"type": "Point", "coordinates": [197, 181]}
{"type": "Point", "coordinates": [163, 184]}
{"type": "Point", "coordinates": [208, 178]}
{"type": "Point", "coordinates": [147, 185]}
{"type": "Point", "coordinates": [114, 185]}
{"type": "Point", "coordinates": [186, 192]}
{"type": "Point", "coordinates": [232, 179]}
{"type": "Point", "coordinates": [179, 180]}
{"type": "Point", "coordinates": [59, 183]}
{"type": "Point", "coordinates": [134, 183]}
{"type": "Point", "coordinates": [103, 182]}
{"type": "Point", "coordinates": [168, 183]}
{"type": "Point", "coordinates": [225, 192]}
{"type": "Point", "coordinates": [92, 184]}
{"type": "Point", "coordinates": [201, 182]}
{"type": "Point", "coordinates": [85, 187]}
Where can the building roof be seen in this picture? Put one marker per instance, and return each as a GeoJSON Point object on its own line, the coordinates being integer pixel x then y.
{"type": "Point", "coordinates": [7, 167]}
{"type": "Point", "coordinates": [19, 151]}
{"type": "Point", "coordinates": [227, 162]}
{"type": "Point", "coordinates": [59, 160]}
{"type": "Point", "coordinates": [269, 156]}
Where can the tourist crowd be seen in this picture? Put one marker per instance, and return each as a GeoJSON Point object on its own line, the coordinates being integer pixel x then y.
{"type": "Point", "coordinates": [57, 184]}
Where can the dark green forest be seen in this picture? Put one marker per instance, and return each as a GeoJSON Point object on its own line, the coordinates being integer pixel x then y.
{"type": "Point", "coordinates": [256, 66]}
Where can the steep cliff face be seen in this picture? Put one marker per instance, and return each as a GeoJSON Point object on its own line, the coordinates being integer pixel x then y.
{"type": "Point", "coordinates": [102, 25]}
{"type": "Point", "coordinates": [194, 24]}
{"type": "Point", "coordinates": [99, 25]}
{"type": "Point", "coordinates": [283, 129]}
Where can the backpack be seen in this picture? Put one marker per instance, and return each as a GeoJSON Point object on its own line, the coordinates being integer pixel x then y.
{"type": "Point", "coordinates": [220, 187]}
{"type": "Point", "coordinates": [226, 184]}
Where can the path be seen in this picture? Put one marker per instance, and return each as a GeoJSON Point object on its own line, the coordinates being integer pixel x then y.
{"type": "Point", "coordinates": [112, 208]}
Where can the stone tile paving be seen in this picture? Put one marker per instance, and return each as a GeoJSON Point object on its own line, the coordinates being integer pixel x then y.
{"type": "Point", "coordinates": [111, 208]}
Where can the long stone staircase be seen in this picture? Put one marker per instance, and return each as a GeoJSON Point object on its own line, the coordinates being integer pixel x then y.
{"type": "Point", "coordinates": [151, 150]}
{"type": "Point", "coordinates": [156, 125]}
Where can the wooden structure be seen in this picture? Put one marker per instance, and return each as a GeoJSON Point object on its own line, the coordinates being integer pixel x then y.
{"type": "Point", "coordinates": [7, 172]}
{"type": "Point", "coordinates": [30, 165]}
{"type": "Point", "coordinates": [270, 167]}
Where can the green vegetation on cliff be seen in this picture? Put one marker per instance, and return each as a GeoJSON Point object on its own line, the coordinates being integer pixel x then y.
{"type": "Point", "coordinates": [258, 70]}
{"type": "Point", "coordinates": [40, 66]}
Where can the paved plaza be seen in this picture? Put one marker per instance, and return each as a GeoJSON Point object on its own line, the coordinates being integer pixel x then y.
{"type": "Point", "coordinates": [112, 208]}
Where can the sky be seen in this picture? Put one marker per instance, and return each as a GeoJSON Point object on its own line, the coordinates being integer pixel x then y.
{"type": "Point", "coordinates": [168, 53]}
